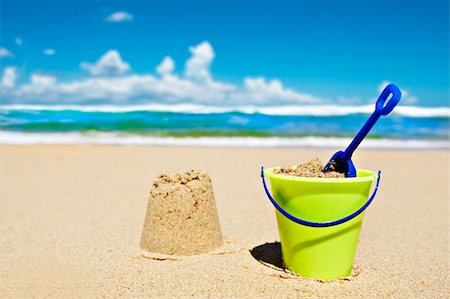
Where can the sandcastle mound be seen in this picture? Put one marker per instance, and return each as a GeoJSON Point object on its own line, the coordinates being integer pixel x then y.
{"type": "Point", "coordinates": [181, 215]}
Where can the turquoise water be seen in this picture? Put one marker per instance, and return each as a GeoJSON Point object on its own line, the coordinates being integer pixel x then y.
{"type": "Point", "coordinates": [221, 124]}
{"type": "Point", "coordinates": [209, 126]}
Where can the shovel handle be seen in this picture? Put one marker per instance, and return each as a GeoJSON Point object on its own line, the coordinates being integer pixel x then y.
{"type": "Point", "coordinates": [319, 224]}
{"type": "Point", "coordinates": [380, 110]}
{"type": "Point", "coordinates": [380, 107]}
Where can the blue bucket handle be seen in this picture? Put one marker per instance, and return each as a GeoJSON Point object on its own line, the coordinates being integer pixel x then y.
{"type": "Point", "coordinates": [320, 224]}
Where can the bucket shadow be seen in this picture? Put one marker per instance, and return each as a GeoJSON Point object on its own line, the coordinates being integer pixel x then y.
{"type": "Point", "coordinates": [269, 254]}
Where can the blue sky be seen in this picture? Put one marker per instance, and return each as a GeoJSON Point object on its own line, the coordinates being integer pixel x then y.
{"type": "Point", "coordinates": [293, 52]}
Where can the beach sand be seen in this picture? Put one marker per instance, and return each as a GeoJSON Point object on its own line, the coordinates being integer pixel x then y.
{"type": "Point", "coordinates": [72, 218]}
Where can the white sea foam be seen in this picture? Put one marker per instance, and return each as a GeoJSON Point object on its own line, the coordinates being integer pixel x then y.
{"type": "Point", "coordinates": [19, 138]}
{"type": "Point", "coordinates": [307, 110]}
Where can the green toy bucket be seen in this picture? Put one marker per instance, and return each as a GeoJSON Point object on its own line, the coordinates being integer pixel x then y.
{"type": "Point", "coordinates": [319, 220]}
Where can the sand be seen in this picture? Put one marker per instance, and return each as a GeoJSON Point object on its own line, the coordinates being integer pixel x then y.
{"type": "Point", "coordinates": [181, 208]}
{"type": "Point", "coordinates": [311, 169]}
{"type": "Point", "coordinates": [72, 218]}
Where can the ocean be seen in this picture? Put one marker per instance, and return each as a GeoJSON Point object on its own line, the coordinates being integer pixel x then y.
{"type": "Point", "coordinates": [245, 126]}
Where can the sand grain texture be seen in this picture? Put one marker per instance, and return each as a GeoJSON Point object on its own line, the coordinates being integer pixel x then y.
{"type": "Point", "coordinates": [72, 218]}
{"type": "Point", "coordinates": [311, 169]}
{"type": "Point", "coordinates": [181, 215]}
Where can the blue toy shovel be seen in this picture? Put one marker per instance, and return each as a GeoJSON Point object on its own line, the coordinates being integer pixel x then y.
{"type": "Point", "coordinates": [341, 161]}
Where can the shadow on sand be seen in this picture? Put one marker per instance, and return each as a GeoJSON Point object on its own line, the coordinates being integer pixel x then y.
{"type": "Point", "coordinates": [269, 254]}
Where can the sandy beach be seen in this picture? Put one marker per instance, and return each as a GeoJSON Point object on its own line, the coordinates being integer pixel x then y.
{"type": "Point", "coordinates": [72, 218]}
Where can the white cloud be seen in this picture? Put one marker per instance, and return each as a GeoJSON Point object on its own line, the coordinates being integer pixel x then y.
{"type": "Point", "coordinates": [39, 84]}
{"type": "Point", "coordinates": [5, 53]}
{"type": "Point", "coordinates": [135, 88]}
{"type": "Point", "coordinates": [166, 66]}
{"type": "Point", "coordinates": [150, 89]}
{"type": "Point", "coordinates": [18, 41]}
{"type": "Point", "coordinates": [42, 81]}
{"type": "Point", "coordinates": [197, 66]}
{"type": "Point", "coordinates": [43, 87]}
{"type": "Point", "coordinates": [263, 91]}
{"type": "Point", "coordinates": [407, 98]}
{"type": "Point", "coordinates": [49, 52]}
{"type": "Point", "coordinates": [119, 16]}
{"type": "Point", "coordinates": [9, 77]}
{"type": "Point", "coordinates": [196, 86]}
{"type": "Point", "coordinates": [346, 100]}
{"type": "Point", "coordinates": [109, 64]}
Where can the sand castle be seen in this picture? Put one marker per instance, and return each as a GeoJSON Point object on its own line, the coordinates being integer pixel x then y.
{"type": "Point", "coordinates": [181, 215]}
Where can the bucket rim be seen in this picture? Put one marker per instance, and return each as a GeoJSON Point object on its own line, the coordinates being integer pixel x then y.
{"type": "Point", "coordinates": [370, 176]}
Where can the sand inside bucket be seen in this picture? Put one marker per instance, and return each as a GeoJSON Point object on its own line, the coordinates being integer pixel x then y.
{"type": "Point", "coordinates": [181, 215]}
{"type": "Point", "coordinates": [313, 169]}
